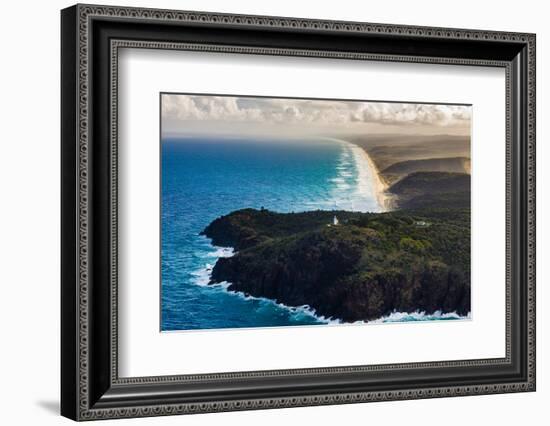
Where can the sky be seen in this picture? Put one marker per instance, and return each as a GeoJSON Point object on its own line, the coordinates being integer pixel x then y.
{"type": "Point", "coordinates": [237, 116]}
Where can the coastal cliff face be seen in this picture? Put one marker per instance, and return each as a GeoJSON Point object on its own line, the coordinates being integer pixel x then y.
{"type": "Point", "coordinates": [364, 268]}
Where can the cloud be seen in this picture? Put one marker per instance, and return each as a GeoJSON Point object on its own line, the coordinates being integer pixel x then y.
{"type": "Point", "coordinates": [399, 114]}
{"type": "Point", "coordinates": [285, 112]}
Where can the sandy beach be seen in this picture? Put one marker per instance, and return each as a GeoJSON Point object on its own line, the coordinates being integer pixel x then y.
{"type": "Point", "coordinates": [380, 187]}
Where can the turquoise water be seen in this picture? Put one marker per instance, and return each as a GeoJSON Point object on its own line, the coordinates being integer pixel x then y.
{"type": "Point", "coordinates": [203, 179]}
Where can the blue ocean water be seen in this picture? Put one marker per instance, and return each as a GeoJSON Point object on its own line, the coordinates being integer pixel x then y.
{"type": "Point", "coordinates": [203, 179]}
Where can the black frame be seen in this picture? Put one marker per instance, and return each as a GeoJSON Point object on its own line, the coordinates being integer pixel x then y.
{"type": "Point", "coordinates": [91, 37]}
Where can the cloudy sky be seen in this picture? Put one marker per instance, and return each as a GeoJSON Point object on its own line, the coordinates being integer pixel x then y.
{"type": "Point", "coordinates": [231, 115]}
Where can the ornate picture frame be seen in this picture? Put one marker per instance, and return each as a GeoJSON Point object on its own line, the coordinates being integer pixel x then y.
{"type": "Point", "coordinates": [91, 37]}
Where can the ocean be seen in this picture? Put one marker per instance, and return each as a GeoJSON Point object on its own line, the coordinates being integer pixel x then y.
{"type": "Point", "coordinates": [204, 178]}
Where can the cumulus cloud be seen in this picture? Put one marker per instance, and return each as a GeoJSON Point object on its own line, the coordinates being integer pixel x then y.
{"type": "Point", "coordinates": [289, 112]}
{"type": "Point", "coordinates": [397, 113]}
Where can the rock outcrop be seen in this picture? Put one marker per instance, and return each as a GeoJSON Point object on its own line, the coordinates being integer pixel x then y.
{"type": "Point", "coordinates": [364, 268]}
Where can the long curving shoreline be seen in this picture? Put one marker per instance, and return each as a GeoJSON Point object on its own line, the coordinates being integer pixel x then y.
{"type": "Point", "coordinates": [379, 187]}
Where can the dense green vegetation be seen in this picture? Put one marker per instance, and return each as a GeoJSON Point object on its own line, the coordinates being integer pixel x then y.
{"type": "Point", "coordinates": [366, 267]}
{"type": "Point", "coordinates": [432, 189]}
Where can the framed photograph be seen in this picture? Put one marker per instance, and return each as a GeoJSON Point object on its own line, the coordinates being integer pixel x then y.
{"type": "Point", "coordinates": [263, 212]}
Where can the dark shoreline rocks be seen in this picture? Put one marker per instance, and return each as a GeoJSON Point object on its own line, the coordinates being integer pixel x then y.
{"type": "Point", "coordinates": [364, 268]}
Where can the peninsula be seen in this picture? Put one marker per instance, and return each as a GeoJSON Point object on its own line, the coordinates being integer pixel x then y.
{"type": "Point", "coordinates": [364, 268]}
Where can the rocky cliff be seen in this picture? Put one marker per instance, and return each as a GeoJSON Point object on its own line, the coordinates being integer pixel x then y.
{"type": "Point", "coordinates": [366, 267]}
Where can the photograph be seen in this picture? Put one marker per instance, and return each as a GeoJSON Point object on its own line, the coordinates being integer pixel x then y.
{"type": "Point", "coordinates": [281, 211]}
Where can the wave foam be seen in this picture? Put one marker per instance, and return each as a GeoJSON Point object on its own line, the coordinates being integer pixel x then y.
{"type": "Point", "coordinates": [202, 278]}
{"type": "Point", "coordinates": [420, 316]}
{"type": "Point", "coordinates": [369, 183]}
{"type": "Point", "coordinates": [221, 252]}
{"type": "Point", "coordinates": [202, 275]}
{"type": "Point", "coordinates": [362, 190]}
